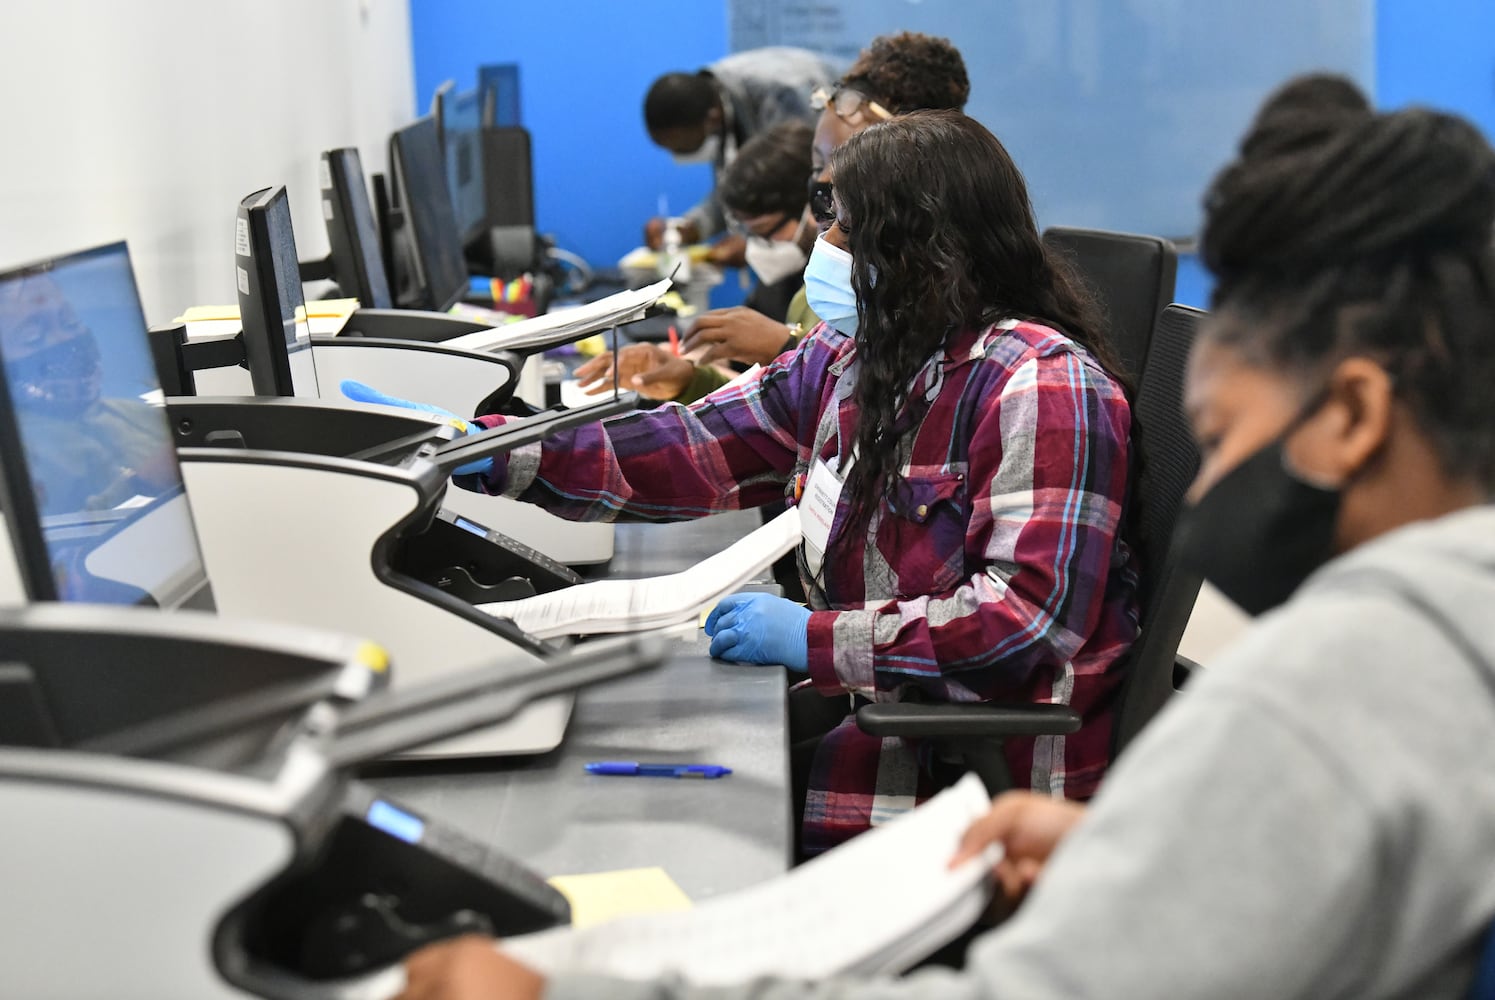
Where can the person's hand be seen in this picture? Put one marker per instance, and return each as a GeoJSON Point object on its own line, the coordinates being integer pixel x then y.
{"type": "Point", "coordinates": [468, 968]}
{"type": "Point", "coordinates": [1028, 827]}
{"type": "Point", "coordinates": [729, 251]}
{"type": "Point", "coordinates": [655, 227]}
{"type": "Point", "coordinates": [654, 233]}
{"type": "Point", "coordinates": [736, 334]}
{"type": "Point", "coordinates": [361, 393]}
{"type": "Point", "coordinates": [760, 628]}
{"type": "Point", "coordinates": [647, 369]}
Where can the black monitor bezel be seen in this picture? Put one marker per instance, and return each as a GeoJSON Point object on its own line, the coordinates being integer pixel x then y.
{"type": "Point", "coordinates": [354, 265]}
{"type": "Point", "coordinates": [265, 352]}
{"type": "Point", "coordinates": [410, 210]}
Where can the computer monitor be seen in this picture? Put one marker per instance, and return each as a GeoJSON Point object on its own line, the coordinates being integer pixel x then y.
{"type": "Point", "coordinates": [462, 149]}
{"type": "Point", "coordinates": [438, 105]}
{"type": "Point", "coordinates": [272, 309]}
{"type": "Point", "coordinates": [499, 85]}
{"type": "Point", "coordinates": [89, 480]}
{"type": "Point", "coordinates": [438, 276]}
{"type": "Point", "coordinates": [357, 262]}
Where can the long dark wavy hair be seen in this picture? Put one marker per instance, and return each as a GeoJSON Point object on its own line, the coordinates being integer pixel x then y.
{"type": "Point", "coordinates": [943, 241]}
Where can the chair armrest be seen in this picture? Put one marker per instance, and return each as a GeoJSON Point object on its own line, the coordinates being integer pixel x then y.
{"type": "Point", "coordinates": [1184, 670]}
{"type": "Point", "coordinates": [943, 721]}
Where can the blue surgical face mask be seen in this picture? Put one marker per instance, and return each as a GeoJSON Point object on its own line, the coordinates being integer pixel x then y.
{"type": "Point", "coordinates": [828, 288]}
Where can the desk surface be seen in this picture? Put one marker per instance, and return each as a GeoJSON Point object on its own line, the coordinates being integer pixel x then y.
{"type": "Point", "coordinates": [711, 836]}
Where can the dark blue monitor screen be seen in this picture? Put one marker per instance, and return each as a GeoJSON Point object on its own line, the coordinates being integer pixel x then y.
{"type": "Point", "coordinates": [461, 130]}
{"type": "Point", "coordinates": [92, 490]}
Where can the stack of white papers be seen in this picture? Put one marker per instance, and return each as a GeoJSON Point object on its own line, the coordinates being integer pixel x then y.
{"type": "Point", "coordinates": [654, 602]}
{"type": "Point", "coordinates": [564, 325]}
{"type": "Point", "coordinates": [875, 905]}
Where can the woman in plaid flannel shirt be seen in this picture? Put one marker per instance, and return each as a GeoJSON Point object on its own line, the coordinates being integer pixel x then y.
{"type": "Point", "coordinates": [975, 552]}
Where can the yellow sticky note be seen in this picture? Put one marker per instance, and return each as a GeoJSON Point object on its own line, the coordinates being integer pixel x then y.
{"type": "Point", "coordinates": [204, 314]}
{"type": "Point", "coordinates": [318, 309]}
{"type": "Point", "coordinates": [331, 308]}
{"type": "Point", "coordinates": [604, 896]}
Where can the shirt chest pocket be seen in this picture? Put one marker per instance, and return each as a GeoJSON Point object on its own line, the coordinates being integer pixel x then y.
{"type": "Point", "coordinates": [923, 530]}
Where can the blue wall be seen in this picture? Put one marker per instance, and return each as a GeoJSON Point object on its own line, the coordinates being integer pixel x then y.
{"type": "Point", "coordinates": [584, 68]}
{"type": "Point", "coordinates": [586, 64]}
{"type": "Point", "coordinates": [1447, 60]}
{"type": "Point", "coordinates": [1439, 54]}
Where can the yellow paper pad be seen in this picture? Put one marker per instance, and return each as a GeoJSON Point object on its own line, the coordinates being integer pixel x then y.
{"type": "Point", "coordinates": [602, 896]}
{"type": "Point", "coordinates": [322, 309]}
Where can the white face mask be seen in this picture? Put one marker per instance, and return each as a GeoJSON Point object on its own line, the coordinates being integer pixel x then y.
{"type": "Point", "coordinates": [774, 260]}
{"type": "Point", "coordinates": [707, 152]}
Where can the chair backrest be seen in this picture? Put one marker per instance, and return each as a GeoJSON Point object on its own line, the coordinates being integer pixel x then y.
{"type": "Point", "coordinates": [1131, 276]}
{"type": "Point", "coordinates": [1483, 987]}
{"type": "Point", "coordinates": [1167, 462]}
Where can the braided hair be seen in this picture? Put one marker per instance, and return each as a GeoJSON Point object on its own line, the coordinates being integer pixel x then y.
{"type": "Point", "coordinates": [1339, 231]}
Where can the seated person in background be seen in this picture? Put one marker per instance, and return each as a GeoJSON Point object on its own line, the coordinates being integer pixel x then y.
{"type": "Point", "coordinates": [764, 195]}
{"type": "Point", "coordinates": [974, 552]}
{"type": "Point", "coordinates": [894, 75]}
{"type": "Point", "coordinates": [1314, 819]}
{"type": "Point", "coordinates": [708, 115]}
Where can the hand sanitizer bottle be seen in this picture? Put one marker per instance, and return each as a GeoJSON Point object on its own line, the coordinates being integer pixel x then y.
{"type": "Point", "coordinates": [674, 261]}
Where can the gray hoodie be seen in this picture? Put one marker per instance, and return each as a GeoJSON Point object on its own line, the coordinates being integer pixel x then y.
{"type": "Point", "coordinates": [1315, 818]}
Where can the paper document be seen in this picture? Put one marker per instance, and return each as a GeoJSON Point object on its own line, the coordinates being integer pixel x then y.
{"type": "Point", "coordinates": [318, 309]}
{"type": "Point", "coordinates": [325, 319]}
{"type": "Point", "coordinates": [654, 602]}
{"type": "Point", "coordinates": [602, 896]}
{"type": "Point", "coordinates": [876, 904]}
{"type": "Point", "coordinates": [751, 373]}
{"type": "Point", "coordinates": [564, 326]}
{"type": "Point", "coordinates": [573, 395]}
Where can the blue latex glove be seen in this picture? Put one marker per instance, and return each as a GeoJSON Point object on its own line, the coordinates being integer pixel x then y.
{"type": "Point", "coordinates": [360, 393]}
{"type": "Point", "coordinates": [760, 628]}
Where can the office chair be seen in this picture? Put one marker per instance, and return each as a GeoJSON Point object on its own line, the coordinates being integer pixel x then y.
{"type": "Point", "coordinates": [1167, 460]}
{"type": "Point", "coordinates": [1132, 278]}
{"type": "Point", "coordinates": [1483, 987]}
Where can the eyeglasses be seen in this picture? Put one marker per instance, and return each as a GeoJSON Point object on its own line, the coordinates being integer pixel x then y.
{"type": "Point", "coordinates": [822, 204]}
{"type": "Point", "coordinates": [846, 103]}
{"type": "Point", "coordinates": [740, 228]}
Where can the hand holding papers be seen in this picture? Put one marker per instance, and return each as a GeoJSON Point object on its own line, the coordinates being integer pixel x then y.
{"type": "Point", "coordinates": [657, 602]}
{"type": "Point", "coordinates": [564, 325]}
{"type": "Point", "coordinates": [824, 918]}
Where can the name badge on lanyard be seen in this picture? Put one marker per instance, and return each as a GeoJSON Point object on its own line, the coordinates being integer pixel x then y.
{"type": "Point", "coordinates": [817, 511]}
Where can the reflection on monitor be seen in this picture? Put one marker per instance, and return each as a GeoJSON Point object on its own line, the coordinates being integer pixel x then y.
{"type": "Point", "coordinates": [272, 308]}
{"type": "Point", "coordinates": [357, 262]}
{"type": "Point", "coordinates": [462, 143]}
{"type": "Point", "coordinates": [88, 470]}
{"type": "Point", "coordinates": [430, 231]}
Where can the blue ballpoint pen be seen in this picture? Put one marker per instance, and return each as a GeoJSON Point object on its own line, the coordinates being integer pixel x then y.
{"type": "Point", "coordinates": [633, 768]}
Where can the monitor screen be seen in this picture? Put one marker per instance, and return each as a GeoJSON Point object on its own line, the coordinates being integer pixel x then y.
{"type": "Point", "coordinates": [277, 334]}
{"type": "Point", "coordinates": [434, 243]}
{"type": "Point", "coordinates": [499, 84]}
{"type": "Point", "coordinates": [463, 151]}
{"type": "Point", "coordinates": [89, 477]}
{"type": "Point", "coordinates": [357, 261]}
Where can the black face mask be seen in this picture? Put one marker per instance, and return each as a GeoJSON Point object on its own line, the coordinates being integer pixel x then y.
{"type": "Point", "coordinates": [1261, 530]}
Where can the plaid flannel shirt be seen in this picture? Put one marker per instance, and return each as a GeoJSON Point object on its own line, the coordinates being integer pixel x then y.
{"type": "Point", "coordinates": [995, 572]}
